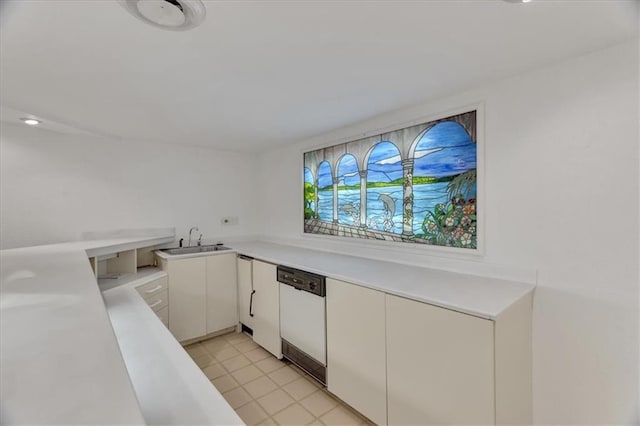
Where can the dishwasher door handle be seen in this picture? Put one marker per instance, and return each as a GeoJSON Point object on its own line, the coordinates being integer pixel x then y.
{"type": "Point", "coordinates": [251, 303]}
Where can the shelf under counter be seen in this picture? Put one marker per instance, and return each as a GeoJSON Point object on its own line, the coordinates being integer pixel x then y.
{"type": "Point", "coordinates": [142, 275]}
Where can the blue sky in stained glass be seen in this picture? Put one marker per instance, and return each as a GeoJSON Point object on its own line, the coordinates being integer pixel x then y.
{"type": "Point", "coordinates": [348, 170]}
{"type": "Point", "coordinates": [458, 153]}
{"type": "Point", "coordinates": [445, 150]}
{"type": "Point", "coordinates": [308, 177]}
{"type": "Point", "coordinates": [384, 163]}
{"type": "Point", "coordinates": [324, 175]}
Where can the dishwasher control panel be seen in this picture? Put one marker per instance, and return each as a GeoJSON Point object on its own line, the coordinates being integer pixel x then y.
{"type": "Point", "coordinates": [302, 280]}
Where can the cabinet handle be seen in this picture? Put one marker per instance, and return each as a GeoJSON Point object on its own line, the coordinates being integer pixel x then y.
{"type": "Point", "coordinates": [153, 290]}
{"type": "Point", "coordinates": [156, 303]}
{"type": "Point", "coordinates": [251, 303]}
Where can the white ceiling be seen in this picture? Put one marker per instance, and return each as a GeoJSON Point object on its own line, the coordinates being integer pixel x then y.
{"type": "Point", "coordinates": [262, 73]}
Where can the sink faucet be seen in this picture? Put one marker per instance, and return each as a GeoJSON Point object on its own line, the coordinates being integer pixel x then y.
{"type": "Point", "coordinates": [193, 228]}
{"type": "Point", "coordinates": [200, 240]}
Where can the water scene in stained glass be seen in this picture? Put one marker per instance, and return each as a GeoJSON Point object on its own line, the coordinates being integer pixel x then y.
{"type": "Point", "coordinates": [415, 185]}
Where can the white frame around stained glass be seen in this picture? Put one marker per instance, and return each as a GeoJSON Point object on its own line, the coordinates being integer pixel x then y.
{"type": "Point", "coordinates": [458, 222]}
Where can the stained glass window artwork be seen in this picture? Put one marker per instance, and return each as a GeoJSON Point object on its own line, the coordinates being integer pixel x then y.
{"type": "Point", "coordinates": [414, 185]}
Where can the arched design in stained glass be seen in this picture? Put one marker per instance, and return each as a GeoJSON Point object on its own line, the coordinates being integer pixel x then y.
{"type": "Point", "coordinates": [415, 184]}
{"type": "Point", "coordinates": [384, 188]}
{"type": "Point", "coordinates": [325, 192]}
{"type": "Point", "coordinates": [444, 186]}
{"type": "Point", "coordinates": [348, 191]}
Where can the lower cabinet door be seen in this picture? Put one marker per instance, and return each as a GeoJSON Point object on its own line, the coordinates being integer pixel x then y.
{"type": "Point", "coordinates": [356, 361]}
{"type": "Point", "coordinates": [266, 308]}
{"type": "Point", "coordinates": [187, 298]}
{"type": "Point", "coordinates": [222, 292]}
{"type": "Point", "coordinates": [440, 365]}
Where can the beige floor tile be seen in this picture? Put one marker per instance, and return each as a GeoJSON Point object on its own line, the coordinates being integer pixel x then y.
{"type": "Point", "coordinates": [214, 371]}
{"type": "Point", "coordinates": [252, 413]}
{"type": "Point", "coordinates": [247, 374]}
{"type": "Point", "coordinates": [293, 415]}
{"type": "Point", "coordinates": [224, 383]}
{"type": "Point", "coordinates": [313, 381]}
{"type": "Point", "coordinates": [236, 338]}
{"type": "Point", "coordinates": [260, 387]}
{"type": "Point", "coordinates": [285, 375]}
{"type": "Point", "coordinates": [236, 363]}
{"type": "Point", "coordinates": [270, 364]}
{"type": "Point", "coordinates": [340, 416]}
{"type": "Point", "coordinates": [298, 370]}
{"type": "Point", "coordinates": [319, 403]}
{"type": "Point", "coordinates": [275, 401]}
{"type": "Point", "coordinates": [226, 353]}
{"type": "Point", "coordinates": [299, 388]}
{"type": "Point", "coordinates": [237, 397]}
{"type": "Point", "coordinates": [257, 354]}
{"type": "Point", "coordinates": [195, 349]}
{"type": "Point", "coordinates": [203, 361]}
{"type": "Point", "coordinates": [268, 422]}
{"type": "Point", "coordinates": [215, 346]}
{"type": "Point", "coordinates": [316, 423]}
{"type": "Point", "coordinates": [246, 346]}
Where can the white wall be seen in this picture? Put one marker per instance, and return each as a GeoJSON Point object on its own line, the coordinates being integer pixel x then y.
{"type": "Point", "coordinates": [53, 187]}
{"type": "Point", "coordinates": [561, 196]}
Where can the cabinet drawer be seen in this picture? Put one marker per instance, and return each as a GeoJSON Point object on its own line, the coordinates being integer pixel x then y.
{"type": "Point", "coordinates": [158, 301]}
{"type": "Point", "coordinates": [153, 288]}
{"type": "Point", "coordinates": [163, 314]}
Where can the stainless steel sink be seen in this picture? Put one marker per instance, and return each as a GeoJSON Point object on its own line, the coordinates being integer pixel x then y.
{"type": "Point", "coordinates": [190, 250]}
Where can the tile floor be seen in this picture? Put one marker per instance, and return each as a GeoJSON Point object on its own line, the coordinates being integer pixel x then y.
{"type": "Point", "coordinates": [264, 390]}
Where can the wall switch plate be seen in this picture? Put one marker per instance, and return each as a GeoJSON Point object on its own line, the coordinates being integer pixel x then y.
{"type": "Point", "coordinates": [229, 220]}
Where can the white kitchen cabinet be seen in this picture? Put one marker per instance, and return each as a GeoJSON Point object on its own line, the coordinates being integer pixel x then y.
{"type": "Point", "coordinates": [222, 292]}
{"type": "Point", "coordinates": [202, 295]}
{"type": "Point", "coordinates": [187, 297]}
{"type": "Point", "coordinates": [440, 365]}
{"type": "Point", "coordinates": [356, 348]}
{"type": "Point", "coordinates": [266, 308]}
{"type": "Point", "coordinates": [245, 287]}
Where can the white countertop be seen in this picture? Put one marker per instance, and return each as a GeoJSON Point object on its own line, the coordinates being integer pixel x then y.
{"type": "Point", "coordinates": [59, 356]}
{"type": "Point", "coordinates": [93, 248]}
{"type": "Point", "coordinates": [171, 388]}
{"type": "Point", "coordinates": [480, 296]}
{"type": "Point", "coordinates": [61, 361]}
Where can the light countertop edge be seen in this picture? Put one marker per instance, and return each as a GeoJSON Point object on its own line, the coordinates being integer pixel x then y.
{"type": "Point", "coordinates": [112, 246]}
{"type": "Point", "coordinates": [471, 294]}
{"type": "Point", "coordinates": [171, 388]}
{"type": "Point", "coordinates": [163, 255]}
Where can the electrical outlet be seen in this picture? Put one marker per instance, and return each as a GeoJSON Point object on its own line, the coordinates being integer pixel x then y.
{"type": "Point", "coordinates": [229, 220]}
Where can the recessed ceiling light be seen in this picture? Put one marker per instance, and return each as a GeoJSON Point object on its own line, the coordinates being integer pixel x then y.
{"type": "Point", "coordinates": [174, 15]}
{"type": "Point", "coordinates": [518, 1]}
{"type": "Point", "coordinates": [31, 121]}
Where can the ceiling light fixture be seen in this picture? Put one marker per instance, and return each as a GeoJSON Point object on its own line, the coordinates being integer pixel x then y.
{"type": "Point", "coordinates": [173, 15]}
{"type": "Point", "coordinates": [30, 121]}
{"type": "Point", "coordinates": [518, 1]}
